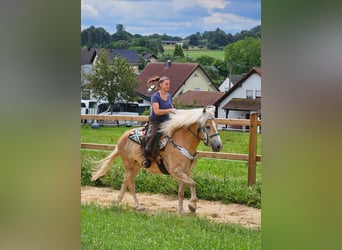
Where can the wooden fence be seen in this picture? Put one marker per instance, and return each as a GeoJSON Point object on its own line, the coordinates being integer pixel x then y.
{"type": "Point", "coordinates": [251, 157]}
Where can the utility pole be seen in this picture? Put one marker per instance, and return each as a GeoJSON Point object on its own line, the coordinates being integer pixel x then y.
{"type": "Point", "coordinates": [230, 74]}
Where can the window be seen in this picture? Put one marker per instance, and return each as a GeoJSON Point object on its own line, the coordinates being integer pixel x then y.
{"type": "Point", "coordinates": [197, 89]}
{"type": "Point", "coordinates": [258, 94]}
{"type": "Point", "coordinates": [249, 94]}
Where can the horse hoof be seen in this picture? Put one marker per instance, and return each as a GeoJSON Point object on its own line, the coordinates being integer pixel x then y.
{"type": "Point", "coordinates": [192, 209]}
{"type": "Point", "coordinates": [141, 209]}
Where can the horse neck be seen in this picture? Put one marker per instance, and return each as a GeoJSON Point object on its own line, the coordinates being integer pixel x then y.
{"type": "Point", "coordinates": [186, 139]}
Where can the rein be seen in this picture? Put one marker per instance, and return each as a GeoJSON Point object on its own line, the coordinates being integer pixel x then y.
{"type": "Point", "coordinates": [205, 140]}
{"type": "Point", "coordinates": [206, 137]}
{"type": "Point", "coordinates": [182, 150]}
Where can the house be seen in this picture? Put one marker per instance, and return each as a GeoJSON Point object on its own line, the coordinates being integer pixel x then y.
{"type": "Point", "coordinates": [243, 98]}
{"type": "Point", "coordinates": [130, 55]}
{"type": "Point", "coordinates": [196, 99]}
{"type": "Point", "coordinates": [149, 57]}
{"type": "Point", "coordinates": [89, 57]}
{"type": "Point", "coordinates": [88, 60]}
{"type": "Point", "coordinates": [227, 83]}
{"type": "Point", "coordinates": [183, 77]}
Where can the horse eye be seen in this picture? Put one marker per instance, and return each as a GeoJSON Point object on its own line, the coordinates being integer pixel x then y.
{"type": "Point", "coordinates": [207, 127]}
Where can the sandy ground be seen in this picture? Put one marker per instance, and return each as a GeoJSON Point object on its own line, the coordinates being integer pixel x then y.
{"type": "Point", "coordinates": [216, 211]}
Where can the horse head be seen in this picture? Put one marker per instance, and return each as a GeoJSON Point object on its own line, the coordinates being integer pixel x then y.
{"type": "Point", "coordinates": [208, 129]}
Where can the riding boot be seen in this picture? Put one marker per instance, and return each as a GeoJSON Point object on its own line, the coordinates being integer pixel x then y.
{"type": "Point", "coordinates": [149, 143]}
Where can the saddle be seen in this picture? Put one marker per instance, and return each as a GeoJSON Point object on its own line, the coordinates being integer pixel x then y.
{"type": "Point", "coordinates": [138, 136]}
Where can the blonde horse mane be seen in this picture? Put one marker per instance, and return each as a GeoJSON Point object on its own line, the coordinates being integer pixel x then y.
{"type": "Point", "coordinates": [187, 117]}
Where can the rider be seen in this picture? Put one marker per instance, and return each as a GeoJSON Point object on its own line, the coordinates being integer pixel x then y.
{"type": "Point", "coordinates": [161, 108]}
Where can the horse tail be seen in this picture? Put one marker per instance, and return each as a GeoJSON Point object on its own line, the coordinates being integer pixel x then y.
{"type": "Point", "coordinates": [104, 164]}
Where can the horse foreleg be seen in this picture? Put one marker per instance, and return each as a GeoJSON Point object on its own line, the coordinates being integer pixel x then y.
{"type": "Point", "coordinates": [193, 200]}
{"type": "Point", "coordinates": [185, 179]}
{"type": "Point", "coordinates": [181, 197]}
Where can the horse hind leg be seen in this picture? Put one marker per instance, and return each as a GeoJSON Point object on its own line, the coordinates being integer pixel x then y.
{"type": "Point", "coordinates": [129, 182]}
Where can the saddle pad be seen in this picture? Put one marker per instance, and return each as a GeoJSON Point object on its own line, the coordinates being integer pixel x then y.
{"type": "Point", "coordinates": [137, 135]}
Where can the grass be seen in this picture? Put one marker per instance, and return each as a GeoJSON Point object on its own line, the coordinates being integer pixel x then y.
{"type": "Point", "coordinates": [196, 52]}
{"type": "Point", "coordinates": [218, 54]}
{"type": "Point", "coordinates": [122, 228]}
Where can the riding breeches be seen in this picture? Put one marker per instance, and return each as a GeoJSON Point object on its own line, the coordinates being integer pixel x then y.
{"type": "Point", "coordinates": [152, 139]}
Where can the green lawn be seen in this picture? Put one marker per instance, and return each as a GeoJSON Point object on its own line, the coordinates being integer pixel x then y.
{"type": "Point", "coordinates": [219, 54]}
{"type": "Point", "coordinates": [122, 228]}
{"type": "Point", "coordinates": [196, 52]}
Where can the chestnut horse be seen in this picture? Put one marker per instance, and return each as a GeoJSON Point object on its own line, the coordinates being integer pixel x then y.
{"type": "Point", "coordinates": [182, 132]}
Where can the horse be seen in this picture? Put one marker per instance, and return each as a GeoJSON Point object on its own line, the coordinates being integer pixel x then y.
{"type": "Point", "coordinates": [182, 132]}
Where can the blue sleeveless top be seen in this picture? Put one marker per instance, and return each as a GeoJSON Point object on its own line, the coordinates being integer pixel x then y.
{"type": "Point", "coordinates": [162, 105]}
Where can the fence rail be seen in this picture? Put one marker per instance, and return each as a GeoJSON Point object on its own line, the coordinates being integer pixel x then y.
{"type": "Point", "coordinates": [251, 157]}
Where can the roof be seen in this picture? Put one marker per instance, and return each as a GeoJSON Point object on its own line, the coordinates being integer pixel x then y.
{"type": "Point", "coordinates": [244, 104]}
{"type": "Point", "coordinates": [130, 55]}
{"type": "Point", "coordinates": [256, 70]}
{"type": "Point", "coordinates": [198, 98]}
{"type": "Point", "coordinates": [87, 55]}
{"type": "Point", "coordinates": [178, 73]}
{"type": "Point", "coordinates": [148, 56]}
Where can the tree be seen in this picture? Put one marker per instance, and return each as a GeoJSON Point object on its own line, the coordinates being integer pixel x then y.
{"type": "Point", "coordinates": [242, 55]}
{"type": "Point", "coordinates": [178, 51]}
{"type": "Point", "coordinates": [121, 34]}
{"type": "Point", "coordinates": [193, 40]}
{"type": "Point", "coordinates": [112, 80]}
{"type": "Point", "coordinates": [94, 37]}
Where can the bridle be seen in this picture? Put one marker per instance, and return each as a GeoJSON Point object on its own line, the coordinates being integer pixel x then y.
{"type": "Point", "coordinates": [206, 141]}
{"type": "Point", "coordinates": [200, 129]}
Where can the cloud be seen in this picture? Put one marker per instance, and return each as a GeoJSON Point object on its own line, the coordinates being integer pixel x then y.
{"type": "Point", "coordinates": [228, 21]}
{"type": "Point", "coordinates": [206, 4]}
{"type": "Point", "coordinates": [175, 17]}
{"type": "Point", "coordinates": [89, 11]}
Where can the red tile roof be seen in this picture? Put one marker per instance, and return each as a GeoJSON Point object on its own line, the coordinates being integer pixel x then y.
{"type": "Point", "coordinates": [178, 73]}
{"type": "Point", "coordinates": [244, 104]}
{"type": "Point", "coordinates": [198, 98]}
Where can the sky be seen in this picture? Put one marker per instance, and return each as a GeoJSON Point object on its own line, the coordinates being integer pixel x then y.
{"type": "Point", "coordinates": [172, 17]}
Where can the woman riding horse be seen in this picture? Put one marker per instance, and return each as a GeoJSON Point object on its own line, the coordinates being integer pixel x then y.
{"type": "Point", "coordinates": [183, 131]}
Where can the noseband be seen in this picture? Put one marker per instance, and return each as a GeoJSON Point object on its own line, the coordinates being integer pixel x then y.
{"type": "Point", "coordinates": [206, 139]}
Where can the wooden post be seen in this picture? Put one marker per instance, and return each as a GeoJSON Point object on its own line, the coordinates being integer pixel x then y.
{"type": "Point", "coordinates": [252, 149]}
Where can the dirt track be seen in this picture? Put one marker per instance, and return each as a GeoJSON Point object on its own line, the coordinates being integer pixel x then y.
{"type": "Point", "coordinates": [216, 211]}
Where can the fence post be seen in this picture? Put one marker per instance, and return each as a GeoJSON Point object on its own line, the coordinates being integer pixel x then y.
{"type": "Point", "coordinates": [252, 149]}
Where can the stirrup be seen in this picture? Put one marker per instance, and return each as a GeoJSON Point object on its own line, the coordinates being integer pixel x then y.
{"type": "Point", "coordinates": [159, 159]}
{"type": "Point", "coordinates": [146, 163]}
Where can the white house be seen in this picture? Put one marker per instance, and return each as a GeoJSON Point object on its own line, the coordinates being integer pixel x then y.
{"type": "Point", "coordinates": [243, 98]}
{"type": "Point", "coordinates": [228, 83]}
